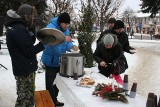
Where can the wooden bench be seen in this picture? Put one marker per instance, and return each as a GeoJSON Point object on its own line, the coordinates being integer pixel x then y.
{"type": "Point", "coordinates": [43, 99]}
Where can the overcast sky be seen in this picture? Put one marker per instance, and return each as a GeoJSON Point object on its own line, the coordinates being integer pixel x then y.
{"type": "Point", "coordinates": [133, 4]}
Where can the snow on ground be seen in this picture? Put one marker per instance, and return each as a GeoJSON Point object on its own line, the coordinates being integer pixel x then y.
{"type": "Point", "coordinates": [143, 68]}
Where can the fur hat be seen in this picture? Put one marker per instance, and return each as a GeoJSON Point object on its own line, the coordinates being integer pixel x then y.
{"type": "Point", "coordinates": [108, 39]}
{"type": "Point", "coordinates": [64, 18]}
{"type": "Point", "coordinates": [111, 20]}
{"type": "Point", "coordinates": [118, 24]}
{"type": "Point", "coordinates": [25, 9]}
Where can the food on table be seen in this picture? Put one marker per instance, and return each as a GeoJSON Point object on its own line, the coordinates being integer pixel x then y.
{"type": "Point", "coordinates": [86, 81]}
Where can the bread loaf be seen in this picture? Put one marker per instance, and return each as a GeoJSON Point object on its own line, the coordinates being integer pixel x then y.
{"type": "Point", "coordinates": [87, 81]}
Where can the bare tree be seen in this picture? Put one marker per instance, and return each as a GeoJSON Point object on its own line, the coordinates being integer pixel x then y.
{"type": "Point", "coordinates": [128, 15]}
{"type": "Point", "coordinates": [104, 9]}
{"type": "Point", "coordinates": [59, 6]}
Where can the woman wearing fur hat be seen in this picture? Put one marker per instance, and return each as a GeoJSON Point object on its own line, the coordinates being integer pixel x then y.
{"type": "Point", "coordinates": [107, 51]}
{"type": "Point", "coordinates": [20, 43]}
{"type": "Point", "coordinates": [51, 54]}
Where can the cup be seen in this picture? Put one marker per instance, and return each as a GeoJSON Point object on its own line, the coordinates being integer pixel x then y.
{"type": "Point", "coordinates": [153, 97]}
{"type": "Point", "coordinates": [125, 83]}
{"type": "Point", "coordinates": [133, 90]}
{"type": "Point", "coordinates": [75, 76]}
{"type": "Point", "coordinates": [158, 103]}
{"type": "Point", "coordinates": [150, 102]}
{"type": "Point", "coordinates": [155, 100]}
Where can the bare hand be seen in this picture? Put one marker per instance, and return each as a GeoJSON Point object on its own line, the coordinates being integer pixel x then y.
{"type": "Point", "coordinates": [103, 64]}
{"type": "Point", "coordinates": [68, 39]}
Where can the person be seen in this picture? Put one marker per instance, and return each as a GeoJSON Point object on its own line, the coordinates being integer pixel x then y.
{"type": "Point", "coordinates": [51, 54]}
{"type": "Point", "coordinates": [152, 31]}
{"type": "Point", "coordinates": [107, 51]}
{"type": "Point", "coordinates": [122, 36]}
{"type": "Point", "coordinates": [132, 32]}
{"type": "Point", "coordinates": [20, 43]}
{"type": "Point", "coordinates": [111, 22]}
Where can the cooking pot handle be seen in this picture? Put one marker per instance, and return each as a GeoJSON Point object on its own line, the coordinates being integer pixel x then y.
{"type": "Point", "coordinates": [64, 60]}
{"type": "Point", "coordinates": [77, 62]}
{"type": "Point", "coordinates": [60, 59]}
{"type": "Point", "coordinates": [84, 61]}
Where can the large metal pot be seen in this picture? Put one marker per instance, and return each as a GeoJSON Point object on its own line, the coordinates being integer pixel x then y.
{"type": "Point", "coordinates": [72, 63]}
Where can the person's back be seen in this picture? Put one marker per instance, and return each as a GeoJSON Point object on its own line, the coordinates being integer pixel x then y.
{"type": "Point", "coordinates": [21, 46]}
{"type": "Point", "coordinates": [20, 43]}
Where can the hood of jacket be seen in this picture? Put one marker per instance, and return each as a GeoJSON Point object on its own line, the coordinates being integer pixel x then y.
{"type": "Point", "coordinates": [55, 23]}
{"type": "Point", "coordinates": [12, 18]}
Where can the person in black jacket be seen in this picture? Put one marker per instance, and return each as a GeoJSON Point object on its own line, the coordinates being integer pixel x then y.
{"type": "Point", "coordinates": [111, 22]}
{"type": "Point", "coordinates": [118, 30]}
{"type": "Point", "coordinates": [107, 51]}
{"type": "Point", "coordinates": [20, 43]}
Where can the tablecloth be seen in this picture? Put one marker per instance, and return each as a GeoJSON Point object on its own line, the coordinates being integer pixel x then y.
{"type": "Point", "coordinates": [76, 96]}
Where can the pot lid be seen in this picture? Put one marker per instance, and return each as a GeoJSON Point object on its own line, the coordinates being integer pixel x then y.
{"type": "Point", "coordinates": [50, 36]}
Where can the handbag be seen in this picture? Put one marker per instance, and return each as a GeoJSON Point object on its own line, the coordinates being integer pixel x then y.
{"type": "Point", "coordinates": [119, 65]}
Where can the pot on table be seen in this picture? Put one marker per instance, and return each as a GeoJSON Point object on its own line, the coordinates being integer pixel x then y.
{"type": "Point", "coordinates": [71, 63]}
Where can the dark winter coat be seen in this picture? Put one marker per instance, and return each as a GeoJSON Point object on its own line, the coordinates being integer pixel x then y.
{"type": "Point", "coordinates": [21, 48]}
{"type": "Point", "coordinates": [107, 55]}
{"type": "Point", "coordinates": [122, 39]}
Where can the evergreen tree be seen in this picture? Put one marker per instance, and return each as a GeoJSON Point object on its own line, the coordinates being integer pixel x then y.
{"type": "Point", "coordinates": [150, 6]}
{"type": "Point", "coordinates": [85, 35]}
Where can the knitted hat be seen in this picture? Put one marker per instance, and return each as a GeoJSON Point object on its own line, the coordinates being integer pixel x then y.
{"type": "Point", "coordinates": [111, 20]}
{"type": "Point", "coordinates": [108, 39]}
{"type": "Point", "coordinates": [25, 9]}
{"type": "Point", "coordinates": [64, 18]}
{"type": "Point", "coordinates": [118, 24]}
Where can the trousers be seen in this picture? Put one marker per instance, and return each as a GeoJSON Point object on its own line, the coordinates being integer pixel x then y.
{"type": "Point", "coordinates": [25, 90]}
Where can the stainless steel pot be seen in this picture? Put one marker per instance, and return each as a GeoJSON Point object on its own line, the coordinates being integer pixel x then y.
{"type": "Point", "coordinates": [71, 63]}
